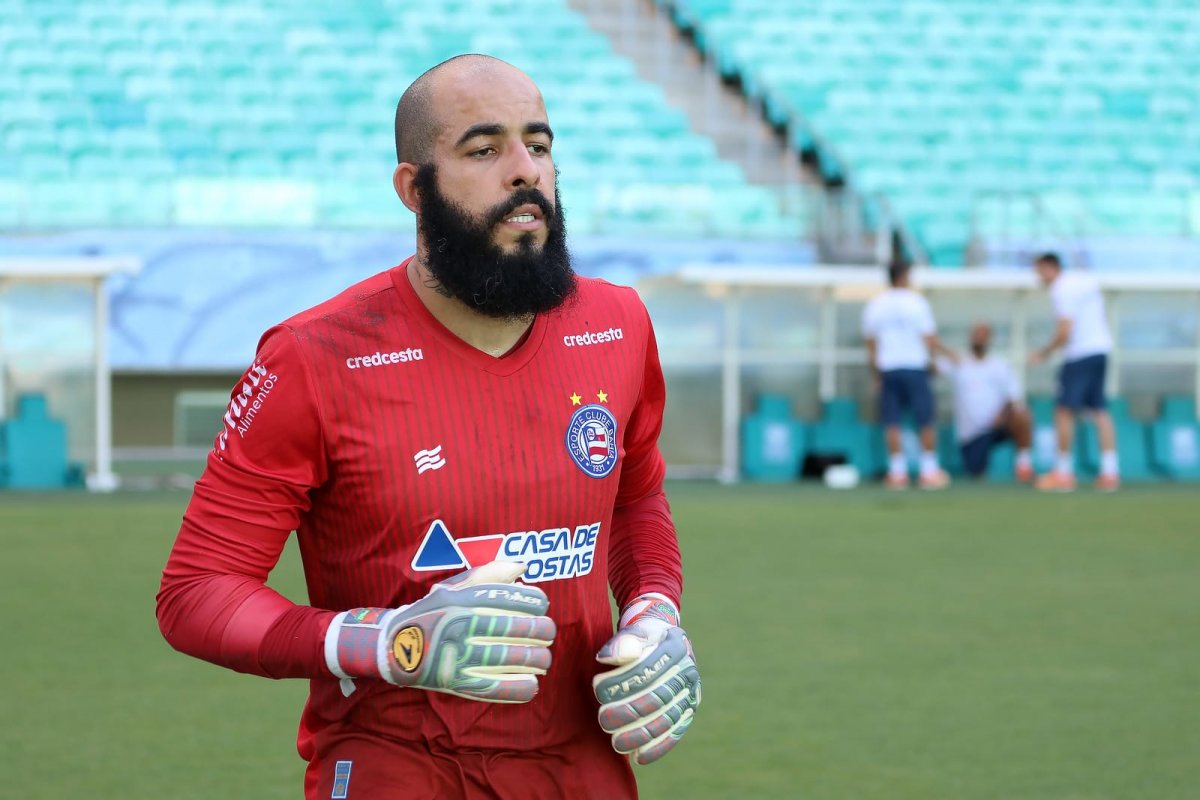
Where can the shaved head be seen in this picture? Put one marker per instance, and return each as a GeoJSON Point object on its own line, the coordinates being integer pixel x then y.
{"type": "Point", "coordinates": [417, 124]}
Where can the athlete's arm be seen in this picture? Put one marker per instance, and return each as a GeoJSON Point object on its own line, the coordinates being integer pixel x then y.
{"type": "Point", "coordinates": [1062, 334]}
{"type": "Point", "coordinates": [213, 602]}
{"type": "Point", "coordinates": [937, 348]}
{"type": "Point", "coordinates": [872, 349]}
{"type": "Point", "coordinates": [643, 551]}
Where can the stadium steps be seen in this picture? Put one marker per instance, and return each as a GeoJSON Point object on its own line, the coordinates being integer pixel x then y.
{"type": "Point", "coordinates": [938, 105]}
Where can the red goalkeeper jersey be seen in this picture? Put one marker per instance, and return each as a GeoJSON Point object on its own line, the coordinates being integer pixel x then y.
{"type": "Point", "coordinates": [401, 455]}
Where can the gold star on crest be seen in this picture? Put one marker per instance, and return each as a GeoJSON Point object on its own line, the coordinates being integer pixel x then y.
{"type": "Point", "coordinates": [575, 399]}
{"type": "Point", "coordinates": [602, 396]}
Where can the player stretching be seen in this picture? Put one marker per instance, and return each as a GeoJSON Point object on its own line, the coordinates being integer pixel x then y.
{"type": "Point", "coordinates": [989, 407]}
{"type": "Point", "coordinates": [475, 416]}
{"type": "Point", "coordinates": [900, 333]}
{"type": "Point", "coordinates": [1082, 332]}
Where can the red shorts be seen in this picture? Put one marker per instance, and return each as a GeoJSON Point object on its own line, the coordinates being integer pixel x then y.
{"type": "Point", "coordinates": [357, 766]}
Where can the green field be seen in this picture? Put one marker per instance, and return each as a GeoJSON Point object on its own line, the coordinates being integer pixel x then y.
{"type": "Point", "coordinates": [981, 643]}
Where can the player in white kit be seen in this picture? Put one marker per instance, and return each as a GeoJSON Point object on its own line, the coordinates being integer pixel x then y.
{"type": "Point", "coordinates": [1082, 332]}
{"type": "Point", "coordinates": [989, 407]}
{"type": "Point", "coordinates": [900, 333]}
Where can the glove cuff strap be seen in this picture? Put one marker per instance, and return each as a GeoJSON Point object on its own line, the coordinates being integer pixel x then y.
{"type": "Point", "coordinates": [652, 605]}
{"type": "Point", "coordinates": [353, 640]}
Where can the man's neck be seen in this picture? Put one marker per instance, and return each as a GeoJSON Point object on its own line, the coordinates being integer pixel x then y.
{"type": "Point", "coordinates": [487, 334]}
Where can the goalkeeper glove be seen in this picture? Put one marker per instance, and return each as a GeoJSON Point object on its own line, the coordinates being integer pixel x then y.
{"type": "Point", "coordinates": [477, 635]}
{"type": "Point", "coordinates": [647, 702]}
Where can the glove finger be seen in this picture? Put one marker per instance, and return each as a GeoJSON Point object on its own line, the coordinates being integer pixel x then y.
{"type": "Point", "coordinates": [487, 629]}
{"type": "Point", "coordinates": [626, 741]}
{"type": "Point", "coordinates": [491, 572]}
{"type": "Point", "coordinates": [663, 745]}
{"type": "Point", "coordinates": [634, 678]}
{"type": "Point", "coordinates": [497, 689]}
{"type": "Point", "coordinates": [624, 648]}
{"type": "Point", "coordinates": [511, 630]}
{"type": "Point", "coordinates": [682, 684]}
{"type": "Point", "coordinates": [494, 660]}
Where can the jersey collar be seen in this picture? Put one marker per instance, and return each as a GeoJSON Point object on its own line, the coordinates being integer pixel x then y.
{"type": "Point", "coordinates": [507, 364]}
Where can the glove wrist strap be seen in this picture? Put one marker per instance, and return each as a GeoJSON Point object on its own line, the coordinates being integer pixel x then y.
{"type": "Point", "coordinates": [650, 605]}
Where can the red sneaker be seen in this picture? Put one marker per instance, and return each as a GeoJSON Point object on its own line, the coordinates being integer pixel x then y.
{"type": "Point", "coordinates": [896, 481]}
{"type": "Point", "coordinates": [1024, 473]}
{"type": "Point", "coordinates": [1055, 482]}
{"type": "Point", "coordinates": [1108, 483]}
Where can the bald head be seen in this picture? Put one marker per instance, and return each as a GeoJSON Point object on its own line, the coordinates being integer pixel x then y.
{"type": "Point", "coordinates": [981, 338]}
{"type": "Point", "coordinates": [417, 122]}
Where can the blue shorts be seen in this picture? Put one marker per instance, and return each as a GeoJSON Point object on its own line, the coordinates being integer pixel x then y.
{"type": "Point", "coordinates": [975, 452]}
{"type": "Point", "coordinates": [1081, 383]}
{"type": "Point", "coordinates": [906, 389]}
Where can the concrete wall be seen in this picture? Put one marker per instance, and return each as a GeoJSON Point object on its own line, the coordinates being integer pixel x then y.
{"type": "Point", "coordinates": [144, 404]}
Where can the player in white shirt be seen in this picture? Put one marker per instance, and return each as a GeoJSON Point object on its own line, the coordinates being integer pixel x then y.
{"type": "Point", "coordinates": [989, 407]}
{"type": "Point", "coordinates": [900, 333]}
{"type": "Point", "coordinates": [1082, 332]}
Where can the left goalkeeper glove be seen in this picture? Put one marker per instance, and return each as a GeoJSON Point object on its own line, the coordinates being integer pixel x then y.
{"type": "Point", "coordinates": [647, 702]}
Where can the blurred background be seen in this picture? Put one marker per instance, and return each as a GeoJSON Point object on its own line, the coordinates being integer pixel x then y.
{"type": "Point", "coordinates": [178, 175]}
{"type": "Point", "coordinates": [215, 167]}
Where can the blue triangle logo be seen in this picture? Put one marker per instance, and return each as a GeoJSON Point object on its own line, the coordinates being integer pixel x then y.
{"type": "Point", "coordinates": [438, 550]}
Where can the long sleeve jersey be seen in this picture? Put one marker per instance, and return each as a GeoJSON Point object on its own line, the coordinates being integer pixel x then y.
{"type": "Point", "coordinates": [400, 455]}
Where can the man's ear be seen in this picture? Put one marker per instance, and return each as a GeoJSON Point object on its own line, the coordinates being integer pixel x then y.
{"type": "Point", "coordinates": [404, 181]}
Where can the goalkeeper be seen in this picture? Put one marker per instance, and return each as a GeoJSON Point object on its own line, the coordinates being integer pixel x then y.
{"type": "Point", "coordinates": [466, 446]}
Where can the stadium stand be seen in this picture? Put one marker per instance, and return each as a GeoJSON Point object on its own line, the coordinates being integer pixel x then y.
{"type": "Point", "coordinates": [276, 114]}
{"type": "Point", "coordinates": [1175, 439]}
{"type": "Point", "coordinates": [1053, 117]}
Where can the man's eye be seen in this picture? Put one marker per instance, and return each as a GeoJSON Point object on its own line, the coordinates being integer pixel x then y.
{"type": "Point", "coordinates": [483, 151]}
{"type": "Point", "coordinates": [538, 148]}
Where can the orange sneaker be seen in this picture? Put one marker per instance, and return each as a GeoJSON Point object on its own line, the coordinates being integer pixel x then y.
{"type": "Point", "coordinates": [1055, 482]}
{"type": "Point", "coordinates": [938, 479]}
{"type": "Point", "coordinates": [1108, 483]}
{"type": "Point", "coordinates": [1024, 473]}
{"type": "Point", "coordinates": [896, 481]}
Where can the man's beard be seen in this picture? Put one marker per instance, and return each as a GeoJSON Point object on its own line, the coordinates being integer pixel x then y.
{"type": "Point", "coordinates": [462, 255]}
{"type": "Point", "coordinates": [980, 350]}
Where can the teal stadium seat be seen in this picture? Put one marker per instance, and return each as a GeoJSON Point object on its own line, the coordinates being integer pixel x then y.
{"type": "Point", "coordinates": [1132, 445]}
{"type": "Point", "coordinates": [773, 441]}
{"type": "Point", "coordinates": [1175, 439]}
{"type": "Point", "coordinates": [841, 432]}
{"type": "Point", "coordinates": [257, 93]}
{"type": "Point", "coordinates": [33, 448]}
{"type": "Point", "coordinates": [907, 99]}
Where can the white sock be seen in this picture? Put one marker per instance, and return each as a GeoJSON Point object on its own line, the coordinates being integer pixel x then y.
{"type": "Point", "coordinates": [1108, 463]}
{"type": "Point", "coordinates": [929, 462]}
{"type": "Point", "coordinates": [897, 465]}
{"type": "Point", "coordinates": [1065, 464]}
{"type": "Point", "coordinates": [1024, 459]}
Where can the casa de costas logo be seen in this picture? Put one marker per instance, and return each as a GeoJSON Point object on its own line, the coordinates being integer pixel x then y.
{"type": "Point", "coordinates": [592, 440]}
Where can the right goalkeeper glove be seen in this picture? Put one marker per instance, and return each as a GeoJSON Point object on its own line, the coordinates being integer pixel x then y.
{"type": "Point", "coordinates": [477, 635]}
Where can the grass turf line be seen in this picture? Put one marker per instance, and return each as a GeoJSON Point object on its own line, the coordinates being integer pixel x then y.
{"type": "Point", "coordinates": [980, 643]}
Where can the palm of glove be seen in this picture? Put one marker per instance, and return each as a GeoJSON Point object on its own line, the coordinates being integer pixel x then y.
{"type": "Point", "coordinates": [648, 701]}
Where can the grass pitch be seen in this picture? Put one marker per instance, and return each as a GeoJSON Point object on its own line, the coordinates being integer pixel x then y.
{"type": "Point", "coordinates": [981, 643]}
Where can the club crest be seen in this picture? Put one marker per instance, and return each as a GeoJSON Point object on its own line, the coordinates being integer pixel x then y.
{"type": "Point", "coordinates": [592, 440]}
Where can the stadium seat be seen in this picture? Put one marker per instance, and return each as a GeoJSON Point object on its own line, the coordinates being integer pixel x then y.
{"type": "Point", "coordinates": [840, 432]}
{"type": "Point", "coordinates": [1175, 439]}
{"type": "Point", "coordinates": [954, 95]}
{"type": "Point", "coordinates": [1178, 408]}
{"type": "Point", "coordinates": [773, 442]}
{"type": "Point", "coordinates": [33, 448]}
{"type": "Point", "coordinates": [263, 93]}
{"type": "Point", "coordinates": [1132, 445]}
